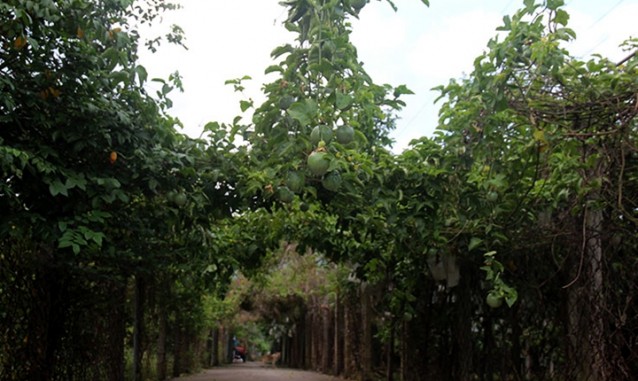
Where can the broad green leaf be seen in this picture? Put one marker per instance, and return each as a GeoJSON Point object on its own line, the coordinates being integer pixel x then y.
{"type": "Point", "coordinates": [303, 111]}
{"type": "Point", "coordinates": [76, 181]}
{"type": "Point", "coordinates": [562, 17]}
{"type": "Point", "coordinates": [119, 76]}
{"type": "Point", "coordinates": [278, 51]}
{"type": "Point", "coordinates": [555, 4]}
{"type": "Point", "coordinates": [511, 296]}
{"type": "Point", "coordinates": [152, 184]}
{"type": "Point", "coordinates": [56, 188]}
{"type": "Point", "coordinates": [245, 105]}
{"type": "Point", "coordinates": [273, 69]}
{"type": "Point", "coordinates": [402, 90]}
{"type": "Point", "coordinates": [343, 101]}
{"type": "Point", "coordinates": [142, 75]}
{"type": "Point", "coordinates": [474, 243]}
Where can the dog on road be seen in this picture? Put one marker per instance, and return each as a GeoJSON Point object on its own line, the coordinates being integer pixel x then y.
{"type": "Point", "coordinates": [271, 359]}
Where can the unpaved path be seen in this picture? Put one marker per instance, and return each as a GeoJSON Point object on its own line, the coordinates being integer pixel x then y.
{"type": "Point", "coordinates": [255, 371]}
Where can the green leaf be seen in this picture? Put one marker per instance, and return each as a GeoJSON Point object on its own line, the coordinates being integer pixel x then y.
{"type": "Point", "coordinates": [76, 181]}
{"type": "Point", "coordinates": [303, 111]}
{"type": "Point", "coordinates": [555, 4]}
{"type": "Point", "coordinates": [152, 184]}
{"type": "Point", "coordinates": [142, 75]}
{"type": "Point", "coordinates": [343, 101]}
{"type": "Point", "coordinates": [245, 105]}
{"type": "Point", "coordinates": [57, 188]}
{"type": "Point", "coordinates": [273, 69]}
{"type": "Point", "coordinates": [402, 90]}
{"type": "Point", "coordinates": [510, 299]}
{"type": "Point", "coordinates": [212, 126]}
{"type": "Point", "coordinates": [562, 17]}
{"type": "Point", "coordinates": [278, 51]}
{"type": "Point", "coordinates": [474, 243]}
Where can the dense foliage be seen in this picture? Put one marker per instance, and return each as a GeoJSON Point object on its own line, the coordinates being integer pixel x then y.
{"type": "Point", "coordinates": [502, 247]}
{"type": "Point", "coordinates": [99, 194]}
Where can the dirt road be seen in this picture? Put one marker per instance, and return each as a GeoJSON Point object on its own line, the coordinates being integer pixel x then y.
{"type": "Point", "coordinates": [255, 371]}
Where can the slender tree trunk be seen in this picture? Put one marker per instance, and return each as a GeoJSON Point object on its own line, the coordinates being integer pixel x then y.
{"type": "Point", "coordinates": [177, 349]}
{"type": "Point", "coordinates": [37, 346]}
{"type": "Point", "coordinates": [338, 337]}
{"type": "Point", "coordinates": [597, 334]}
{"type": "Point", "coordinates": [230, 346]}
{"type": "Point", "coordinates": [138, 328]}
{"type": "Point", "coordinates": [325, 342]}
{"type": "Point", "coordinates": [297, 359]}
{"type": "Point", "coordinates": [366, 322]}
{"type": "Point", "coordinates": [516, 354]}
{"type": "Point", "coordinates": [316, 339]}
{"type": "Point", "coordinates": [116, 333]}
{"type": "Point", "coordinates": [285, 350]}
{"type": "Point", "coordinates": [214, 357]}
{"type": "Point", "coordinates": [42, 342]}
{"type": "Point", "coordinates": [313, 340]}
{"type": "Point", "coordinates": [586, 303]}
{"type": "Point", "coordinates": [308, 341]}
{"type": "Point", "coordinates": [462, 367]}
{"type": "Point", "coordinates": [348, 346]}
{"type": "Point", "coordinates": [161, 343]}
{"type": "Point", "coordinates": [390, 353]}
{"type": "Point", "coordinates": [487, 367]}
{"type": "Point", "coordinates": [403, 352]}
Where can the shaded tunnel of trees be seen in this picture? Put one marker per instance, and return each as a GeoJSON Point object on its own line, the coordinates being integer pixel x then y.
{"type": "Point", "coordinates": [503, 247]}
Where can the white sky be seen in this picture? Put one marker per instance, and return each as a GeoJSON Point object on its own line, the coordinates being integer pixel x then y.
{"type": "Point", "coordinates": [417, 46]}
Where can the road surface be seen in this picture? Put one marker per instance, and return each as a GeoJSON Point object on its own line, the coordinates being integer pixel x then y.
{"type": "Point", "coordinates": [255, 371]}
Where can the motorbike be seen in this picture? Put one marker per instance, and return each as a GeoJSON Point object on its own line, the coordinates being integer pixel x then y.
{"type": "Point", "coordinates": [239, 353]}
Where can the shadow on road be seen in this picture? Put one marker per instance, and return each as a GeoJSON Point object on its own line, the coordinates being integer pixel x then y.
{"type": "Point", "coordinates": [255, 371]}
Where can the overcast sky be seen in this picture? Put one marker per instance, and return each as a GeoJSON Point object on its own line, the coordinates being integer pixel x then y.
{"type": "Point", "coordinates": [417, 46]}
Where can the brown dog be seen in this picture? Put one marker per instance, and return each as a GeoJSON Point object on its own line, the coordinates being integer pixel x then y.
{"type": "Point", "coordinates": [271, 358]}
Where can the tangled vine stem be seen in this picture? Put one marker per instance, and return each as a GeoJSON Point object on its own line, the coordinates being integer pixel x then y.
{"type": "Point", "coordinates": [632, 55]}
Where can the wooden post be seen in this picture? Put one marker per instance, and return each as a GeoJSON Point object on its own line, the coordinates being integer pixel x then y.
{"type": "Point", "coordinates": [138, 328]}
{"type": "Point", "coordinates": [366, 342]}
{"type": "Point", "coordinates": [214, 357]}
{"type": "Point", "coordinates": [161, 342]}
{"type": "Point", "coordinates": [325, 342]}
{"type": "Point", "coordinates": [338, 337]}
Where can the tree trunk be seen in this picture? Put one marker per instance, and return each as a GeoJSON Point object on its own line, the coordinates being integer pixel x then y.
{"type": "Point", "coordinates": [390, 353]}
{"type": "Point", "coordinates": [138, 328]}
{"type": "Point", "coordinates": [316, 339]}
{"type": "Point", "coordinates": [586, 304]}
{"type": "Point", "coordinates": [161, 343]}
{"type": "Point", "coordinates": [462, 367]}
{"type": "Point", "coordinates": [347, 342]}
{"type": "Point", "coordinates": [325, 342]}
{"type": "Point", "coordinates": [230, 346]}
{"type": "Point", "coordinates": [308, 340]}
{"type": "Point", "coordinates": [214, 356]}
{"type": "Point", "coordinates": [177, 351]}
{"type": "Point", "coordinates": [516, 354]}
{"type": "Point", "coordinates": [597, 336]}
{"type": "Point", "coordinates": [299, 354]}
{"type": "Point", "coordinates": [366, 344]}
{"type": "Point", "coordinates": [116, 335]}
{"type": "Point", "coordinates": [403, 352]}
{"type": "Point", "coordinates": [338, 337]}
